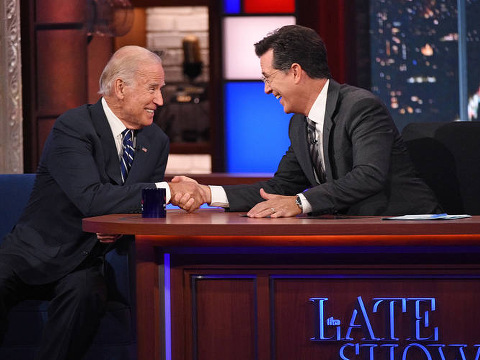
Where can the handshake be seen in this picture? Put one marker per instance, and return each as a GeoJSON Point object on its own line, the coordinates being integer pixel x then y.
{"type": "Point", "coordinates": [188, 194]}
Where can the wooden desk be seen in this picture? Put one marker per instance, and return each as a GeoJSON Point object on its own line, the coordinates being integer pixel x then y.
{"type": "Point", "coordinates": [240, 287]}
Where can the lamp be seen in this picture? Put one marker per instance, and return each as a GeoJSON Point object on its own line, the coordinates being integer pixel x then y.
{"type": "Point", "coordinates": [192, 64]}
{"type": "Point", "coordinates": [109, 17]}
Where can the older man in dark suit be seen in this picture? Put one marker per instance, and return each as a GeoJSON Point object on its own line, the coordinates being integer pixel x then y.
{"type": "Point", "coordinates": [47, 255]}
{"type": "Point", "coordinates": [346, 155]}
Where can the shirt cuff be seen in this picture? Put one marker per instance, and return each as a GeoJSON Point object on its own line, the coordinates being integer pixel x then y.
{"type": "Point", "coordinates": [164, 185]}
{"type": "Point", "coordinates": [219, 196]}
{"type": "Point", "coordinates": [306, 207]}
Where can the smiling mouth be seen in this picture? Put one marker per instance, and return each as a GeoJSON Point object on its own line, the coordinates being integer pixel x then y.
{"type": "Point", "coordinates": [278, 97]}
{"type": "Point", "coordinates": [150, 111]}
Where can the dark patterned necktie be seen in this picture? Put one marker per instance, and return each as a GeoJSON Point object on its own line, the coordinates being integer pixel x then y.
{"type": "Point", "coordinates": [315, 150]}
{"type": "Point", "coordinates": [128, 153]}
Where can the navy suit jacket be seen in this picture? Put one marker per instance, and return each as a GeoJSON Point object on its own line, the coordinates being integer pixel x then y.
{"type": "Point", "coordinates": [79, 176]}
{"type": "Point", "coordinates": [368, 169]}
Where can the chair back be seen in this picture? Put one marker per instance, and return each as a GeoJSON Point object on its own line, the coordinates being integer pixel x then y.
{"type": "Point", "coordinates": [15, 190]}
{"type": "Point", "coordinates": [447, 157]}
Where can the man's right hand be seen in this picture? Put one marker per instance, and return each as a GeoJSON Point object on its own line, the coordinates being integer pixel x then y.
{"type": "Point", "coordinates": [188, 194]}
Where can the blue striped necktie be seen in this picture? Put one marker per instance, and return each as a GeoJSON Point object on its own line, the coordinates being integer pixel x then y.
{"type": "Point", "coordinates": [128, 153]}
{"type": "Point", "coordinates": [314, 150]}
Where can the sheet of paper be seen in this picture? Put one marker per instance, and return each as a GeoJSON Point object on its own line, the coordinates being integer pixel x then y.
{"type": "Point", "coordinates": [428, 217]}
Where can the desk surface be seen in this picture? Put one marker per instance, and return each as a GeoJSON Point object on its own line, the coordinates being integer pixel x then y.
{"type": "Point", "coordinates": [204, 226]}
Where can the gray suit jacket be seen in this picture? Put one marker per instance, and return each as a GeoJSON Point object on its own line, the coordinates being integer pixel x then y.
{"type": "Point", "coordinates": [79, 176]}
{"type": "Point", "coordinates": [368, 169]}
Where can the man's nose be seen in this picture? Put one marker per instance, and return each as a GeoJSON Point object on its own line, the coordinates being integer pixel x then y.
{"type": "Point", "coordinates": [158, 99]}
{"type": "Point", "coordinates": [267, 88]}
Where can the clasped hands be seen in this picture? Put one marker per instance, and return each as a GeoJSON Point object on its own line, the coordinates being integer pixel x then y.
{"type": "Point", "coordinates": [189, 195]}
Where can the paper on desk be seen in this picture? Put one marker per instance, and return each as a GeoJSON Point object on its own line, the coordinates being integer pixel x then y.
{"type": "Point", "coordinates": [428, 217]}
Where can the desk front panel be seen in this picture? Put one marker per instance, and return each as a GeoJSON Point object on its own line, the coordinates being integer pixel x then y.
{"type": "Point", "coordinates": [322, 306]}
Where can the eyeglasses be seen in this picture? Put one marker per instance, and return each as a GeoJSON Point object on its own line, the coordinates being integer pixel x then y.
{"type": "Point", "coordinates": [267, 79]}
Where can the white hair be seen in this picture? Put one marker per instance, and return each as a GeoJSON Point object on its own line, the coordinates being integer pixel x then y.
{"type": "Point", "coordinates": [124, 65]}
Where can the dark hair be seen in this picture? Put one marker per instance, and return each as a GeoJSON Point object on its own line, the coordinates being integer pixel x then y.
{"type": "Point", "coordinates": [296, 44]}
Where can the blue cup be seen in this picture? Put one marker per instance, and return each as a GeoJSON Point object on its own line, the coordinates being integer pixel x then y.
{"type": "Point", "coordinates": [153, 203]}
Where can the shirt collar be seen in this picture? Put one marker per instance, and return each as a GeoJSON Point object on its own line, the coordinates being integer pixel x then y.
{"type": "Point", "coordinates": [317, 112]}
{"type": "Point", "coordinates": [115, 123]}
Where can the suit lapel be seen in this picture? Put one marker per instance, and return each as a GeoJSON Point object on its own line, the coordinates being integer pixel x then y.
{"type": "Point", "coordinates": [300, 144]}
{"type": "Point", "coordinates": [104, 132]}
{"type": "Point", "coordinates": [332, 98]}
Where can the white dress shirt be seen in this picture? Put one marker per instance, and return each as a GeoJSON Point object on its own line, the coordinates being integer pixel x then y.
{"type": "Point", "coordinates": [117, 127]}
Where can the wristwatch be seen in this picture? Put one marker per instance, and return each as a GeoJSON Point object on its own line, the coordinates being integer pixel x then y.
{"type": "Point", "coordinates": [298, 201]}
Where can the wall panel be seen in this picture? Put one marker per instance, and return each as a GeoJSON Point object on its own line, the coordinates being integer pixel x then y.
{"type": "Point", "coordinates": [62, 70]}
{"type": "Point", "coordinates": [44, 126]}
{"type": "Point", "coordinates": [61, 11]}
{"type": "Point", "coordinates": [61, 67]}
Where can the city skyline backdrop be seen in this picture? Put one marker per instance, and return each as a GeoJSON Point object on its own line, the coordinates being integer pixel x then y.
{"type": "Point", "coordinates": [414, 58]}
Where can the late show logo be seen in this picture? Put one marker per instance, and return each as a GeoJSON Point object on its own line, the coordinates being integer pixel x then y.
{"type": "Point", "coordinates": [362, 338]}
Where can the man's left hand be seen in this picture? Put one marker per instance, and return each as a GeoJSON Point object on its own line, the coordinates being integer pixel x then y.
{"type": "Point", "coordinates": [275, 206]}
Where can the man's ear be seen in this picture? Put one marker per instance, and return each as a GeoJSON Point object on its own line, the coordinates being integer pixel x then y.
{"type": "Point", "coordinates": [119, 88]}
{"type": "Point", "coordinates": [297, 72]}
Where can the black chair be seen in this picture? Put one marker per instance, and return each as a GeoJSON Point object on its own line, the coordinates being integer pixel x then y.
{"type": "Point", "coordinates": [116, 338]}
{"type": "Point", "coordinates": [447, 157]}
